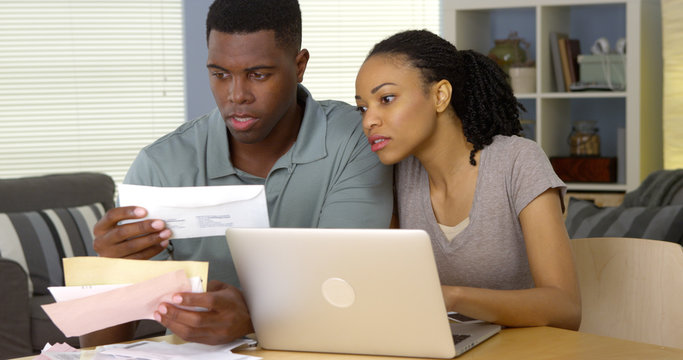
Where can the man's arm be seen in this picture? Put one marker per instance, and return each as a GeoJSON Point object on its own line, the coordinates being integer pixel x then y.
{"type": "Point", "coordinates": [114, 334]}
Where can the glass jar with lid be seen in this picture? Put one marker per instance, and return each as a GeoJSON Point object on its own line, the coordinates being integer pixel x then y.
{"type": "Point", "coordinates": [584, 139]}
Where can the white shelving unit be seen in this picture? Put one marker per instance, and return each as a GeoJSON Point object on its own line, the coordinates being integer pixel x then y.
{"type": "Point", "coordinates": [638, 109]}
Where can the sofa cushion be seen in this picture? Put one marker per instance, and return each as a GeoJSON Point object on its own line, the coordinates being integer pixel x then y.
{"type": "Point", "coordinates": [56, 191]}
{"type": "Point", "coordinates": [585, 219]}
{"type": "Point", "coordinates": [15, 331]}
{"type": "Point", "coordinates": [38, 240]}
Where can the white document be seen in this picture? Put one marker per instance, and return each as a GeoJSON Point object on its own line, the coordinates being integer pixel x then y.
{"type": "Point", "coordinates": [66, 293]}
{"type": "Point", "coordinates": [151, 350]}
{"type": "Point", "coordinates": [199, 211]}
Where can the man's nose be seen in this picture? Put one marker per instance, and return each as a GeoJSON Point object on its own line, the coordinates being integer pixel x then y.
{"type": "Point", "coordinates": [240, 92]}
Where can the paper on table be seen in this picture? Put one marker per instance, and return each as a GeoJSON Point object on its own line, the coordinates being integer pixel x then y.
{"type": "Point", "coordinates": [95, 270]}
{"type": "Point", "coordinates": [150, 350]}
{"type": "Point", "coordinates": [59, 348]}
{"type": "Point", "coordinates": [197, 211]}
{"type": "Point", "coordinates": [118, 306]}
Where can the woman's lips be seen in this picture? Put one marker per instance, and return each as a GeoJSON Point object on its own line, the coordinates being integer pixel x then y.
{"type": "Point", "coordinates": [378, 142]}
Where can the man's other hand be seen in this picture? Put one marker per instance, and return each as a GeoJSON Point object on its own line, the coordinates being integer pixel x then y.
{"type": "Point", "coordinates": [226, 317]}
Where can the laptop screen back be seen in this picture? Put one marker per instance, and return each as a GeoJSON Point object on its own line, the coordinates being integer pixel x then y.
{"type": "Point", "coordinates": [343, 290]}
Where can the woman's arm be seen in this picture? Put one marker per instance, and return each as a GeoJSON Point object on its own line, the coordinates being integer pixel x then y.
{"type": "Point", "coordinates": [555, 301]}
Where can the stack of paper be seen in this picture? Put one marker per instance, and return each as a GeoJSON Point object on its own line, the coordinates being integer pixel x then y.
{"type": "Point", "coordinates": [150, 350]}
{"type": "Point", "coordinates": [103, 292]}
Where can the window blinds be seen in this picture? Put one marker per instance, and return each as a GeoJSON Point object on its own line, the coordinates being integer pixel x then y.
{"type": "Point", "coordinates": [340, 33]}
{"type": "Point", "coordinates": [85, 84]}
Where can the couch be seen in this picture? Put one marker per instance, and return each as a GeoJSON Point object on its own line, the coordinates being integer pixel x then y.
{"type": "Point", "coordinates": [652, 211]}
{"type": "Point", "coordinates": [42, 220]}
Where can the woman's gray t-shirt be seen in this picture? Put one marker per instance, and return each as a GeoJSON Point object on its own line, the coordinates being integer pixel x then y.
{"type": "Point", "coordinates": [490, 252]}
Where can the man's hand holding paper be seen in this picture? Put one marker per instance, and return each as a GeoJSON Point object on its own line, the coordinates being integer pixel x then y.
{"type": "Point", "coordinates": [149, 216]}
{"type": "Point", "coordinates": [142, 228]}
{"type": "Point", "coordinates": [139, 300]}
{"type": "Point", "coordinates": [200, 211]}
{"type": "Point", "coordinates": [226, 318]}
{"type": "Point", "coordinates": [138, 240]}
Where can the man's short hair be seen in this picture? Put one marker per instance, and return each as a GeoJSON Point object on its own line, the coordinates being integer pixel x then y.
{"type": "Point", "coordinates": [248, 16]}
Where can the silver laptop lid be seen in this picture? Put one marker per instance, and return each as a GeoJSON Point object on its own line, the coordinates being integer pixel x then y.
{"type": "Point", "coordinates": [343, 290]}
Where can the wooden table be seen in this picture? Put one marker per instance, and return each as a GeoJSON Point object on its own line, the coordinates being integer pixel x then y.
{"type": "Point", "coordinates": [518, 343]}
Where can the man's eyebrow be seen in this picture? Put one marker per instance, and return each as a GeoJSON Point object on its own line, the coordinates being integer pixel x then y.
{"type": "Point", "coordinates": [213, 66]}
{"type": "Point", "coordinates": [253, 68]}
{"type": "Point", "coordinates": [260, 67]}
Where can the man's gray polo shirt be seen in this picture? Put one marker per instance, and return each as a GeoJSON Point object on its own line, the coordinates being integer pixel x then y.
{"type": "Point", "coordinates": [329, 178]}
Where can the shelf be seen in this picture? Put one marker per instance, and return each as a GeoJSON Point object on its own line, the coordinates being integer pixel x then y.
{"type": "Point", "coordinates": [596, 187]}
{"type": "Point", "coordinates": [573, 95]}
{"type": "Point", "coordinates": [584, 95]}
{"type": "Point", "coordinates": [629, 121]}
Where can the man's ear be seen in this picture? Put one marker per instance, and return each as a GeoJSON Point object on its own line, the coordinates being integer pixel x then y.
{"type": "Point", "coordinates": [301, 62]}
{"type": "Point", "coordinates": [443, 92]}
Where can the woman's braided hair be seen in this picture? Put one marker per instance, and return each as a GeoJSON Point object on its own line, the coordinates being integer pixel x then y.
{"type": "Point", "coordinates": [482, 97]}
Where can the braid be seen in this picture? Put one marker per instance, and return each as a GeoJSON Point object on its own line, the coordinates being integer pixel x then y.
{"type": "Point", "coordinates": [482, 97]}
{"type": "Point", "coordinates": [484, 101]}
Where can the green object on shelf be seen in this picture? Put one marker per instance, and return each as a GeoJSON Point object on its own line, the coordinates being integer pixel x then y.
{"type": "Point", "coordinates": [509, 51]}
{"type": "Point", "coordinates": [606, 69]}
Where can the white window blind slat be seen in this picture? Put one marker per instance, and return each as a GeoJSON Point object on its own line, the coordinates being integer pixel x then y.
{"type": "Point", "coordinates": [84, 84]}
{"type": "Point", "coordinates": [340, 33]}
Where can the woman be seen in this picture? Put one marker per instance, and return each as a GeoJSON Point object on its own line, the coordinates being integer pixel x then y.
{"type": "Point", "coordinates": [488, 198]}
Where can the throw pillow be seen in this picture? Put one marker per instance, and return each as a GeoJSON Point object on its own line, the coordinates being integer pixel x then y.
{"type": "Point", "coordinates": [38, 240]}
{"type": "Point", "coordinates": [585, 219]}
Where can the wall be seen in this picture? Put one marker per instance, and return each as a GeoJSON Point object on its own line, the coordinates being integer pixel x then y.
{"type": "Point", "coordinates": [198, 98]}
{"type": "Point", "coordinates": [672, 41]}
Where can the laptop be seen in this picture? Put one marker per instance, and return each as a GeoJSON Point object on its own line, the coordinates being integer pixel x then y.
{"type": "Point", "coordinates": [352, 291]}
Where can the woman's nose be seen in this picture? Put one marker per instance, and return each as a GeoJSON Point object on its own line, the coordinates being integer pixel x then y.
{"type": "Point", "coordinates": [370, 119]}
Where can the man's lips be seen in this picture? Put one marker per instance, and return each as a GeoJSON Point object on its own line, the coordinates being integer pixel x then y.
{"type": "Point", "coordinates": [378, 142]}
{"type": "Point", "coordinates": [242, 122]}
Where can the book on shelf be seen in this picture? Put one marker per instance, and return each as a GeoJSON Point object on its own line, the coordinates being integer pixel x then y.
{"type": "Point", "coordinates": [562, 43]}
{"type": "Point", "coordinates": [557, 60]}
{"type": "Point", "coordinates": [573, 51]}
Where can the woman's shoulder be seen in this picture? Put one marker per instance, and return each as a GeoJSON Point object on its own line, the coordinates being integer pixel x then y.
{"type": "Point", "coordinates": [508, 148]}
{"type": "Point", "coordinates": [512, 142]}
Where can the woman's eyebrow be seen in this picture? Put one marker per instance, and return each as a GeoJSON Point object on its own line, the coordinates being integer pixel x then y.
{"type": "Point", "coordinates": [376, 88]}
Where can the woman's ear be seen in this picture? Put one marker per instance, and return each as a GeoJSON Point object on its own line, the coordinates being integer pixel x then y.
{"type": "Point", "coordinates": [444, 91]}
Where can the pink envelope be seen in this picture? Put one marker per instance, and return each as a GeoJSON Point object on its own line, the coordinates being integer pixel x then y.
{"type": "Point", "coordinates": [134, 302]}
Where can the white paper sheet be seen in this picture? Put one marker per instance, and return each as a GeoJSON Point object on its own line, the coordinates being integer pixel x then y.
{"type": "Point", "coordinates": [200, 210]}
{"type": "Point", "coordinates": [66, 293]}
{"type": "Point", "coordinates": [151, 350]}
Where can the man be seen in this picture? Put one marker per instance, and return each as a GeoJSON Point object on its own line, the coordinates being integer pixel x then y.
{"type": "Point", "coordinates": [311, 156]}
